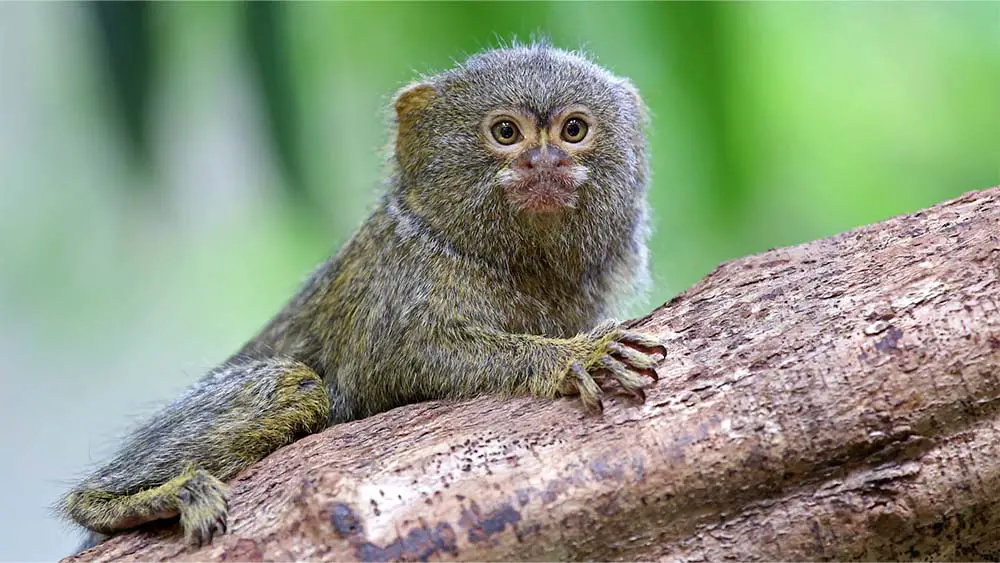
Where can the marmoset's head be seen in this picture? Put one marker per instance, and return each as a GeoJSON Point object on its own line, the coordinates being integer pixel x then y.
{"type": "Point", "coordinates": [526, 131]}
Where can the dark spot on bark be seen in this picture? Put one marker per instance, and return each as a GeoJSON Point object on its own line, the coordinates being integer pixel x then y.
{"type": "Point", "coordinates": [759, 458]}
{"type": "Point", "coordinates": [420, 544]}
{"type": "Point", "coordinates": [551, 492]}
{"type": "Point", "coordinates": [579, 521]}
{"type": "Point", "coordinates": [638, 467]}
{"type": "Point", "coordinates": [817, 536]}
{"type": "Point", "coordinates": [609, 508]}
{"type": "Point", "coordinates": [445, 538]}
{"type": "Point", "coordinates": [994, 342]}
{"type": "Point", "coordinates": [482, 527]}
{"type": "Point", "coordinates": [771, 295]}
{"type": "Point", "coordinates": [684, 439]}
{"type": "Point", "coordinates": [888, 343]}
{"type": "Point", "coordinates": [524, 532]}
{"type": "Point", "coordinates": [523, 496]}
{"type": "Point", "coordinates": [344, 520]}
{"type": "Point", "coordinates": [938, 527]}
{"type": "Point", "coordinates": [604, 471]}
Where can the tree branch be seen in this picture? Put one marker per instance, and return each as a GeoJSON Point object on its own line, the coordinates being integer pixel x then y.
{"type": "Point", "coordinates": [834, 400]}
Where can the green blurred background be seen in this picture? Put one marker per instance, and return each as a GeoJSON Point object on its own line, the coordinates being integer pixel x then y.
{"type": "Point", "coordinates": [170, 172]}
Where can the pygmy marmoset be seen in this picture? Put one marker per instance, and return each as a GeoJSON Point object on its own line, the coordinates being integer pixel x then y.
{"type": "Point", "coordinates": [514, 221]}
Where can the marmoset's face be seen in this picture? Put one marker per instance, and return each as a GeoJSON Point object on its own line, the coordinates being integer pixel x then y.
{"type": "Point", "coordinates": [529, 133]}
{"type": "Point", "coordinates": [543, 154]}
{"type": "Point", "coordinates": [553, 133]}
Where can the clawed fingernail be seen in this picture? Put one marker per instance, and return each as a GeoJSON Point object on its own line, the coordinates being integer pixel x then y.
{"type": "Point", "coordinates": [651, 373]}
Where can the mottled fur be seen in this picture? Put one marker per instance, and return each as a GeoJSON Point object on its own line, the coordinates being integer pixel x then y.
{"type": "Point", "coordinates": [448, 290]}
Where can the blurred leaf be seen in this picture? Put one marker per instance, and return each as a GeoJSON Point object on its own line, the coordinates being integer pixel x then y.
{"type": "Point", "coordinates": [124, 32]}
{"type": "Point", "coordinates": [268, 48]}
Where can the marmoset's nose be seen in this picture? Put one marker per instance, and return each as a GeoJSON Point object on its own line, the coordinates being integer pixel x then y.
{"type": "Point", "coordinates": [547, 157]}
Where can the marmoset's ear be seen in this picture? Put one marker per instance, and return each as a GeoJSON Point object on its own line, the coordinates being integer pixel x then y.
{"type": "Point", "coordinates": [411, 100]}
{"type": "Point", "coordinates": [409, 103]}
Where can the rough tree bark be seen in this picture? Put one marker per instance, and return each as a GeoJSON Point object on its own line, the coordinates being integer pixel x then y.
{"type": "Point", "coordinates": [835, 400]}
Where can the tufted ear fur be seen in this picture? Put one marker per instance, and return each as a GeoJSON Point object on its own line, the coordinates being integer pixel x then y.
{"type": "Point", "coordinates": [413, 98]}
{"type": "Point", "coordinates": [409, 103]}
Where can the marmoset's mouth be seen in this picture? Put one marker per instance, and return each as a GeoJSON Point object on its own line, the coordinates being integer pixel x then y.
{"type": "Point", "coordinates": [543, 190]}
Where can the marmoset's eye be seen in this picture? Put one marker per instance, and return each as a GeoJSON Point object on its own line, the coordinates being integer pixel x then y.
{"type": "Point", "coordinates": [574, 130]}
{"type": "Point", "coordinates": [505, 132]}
